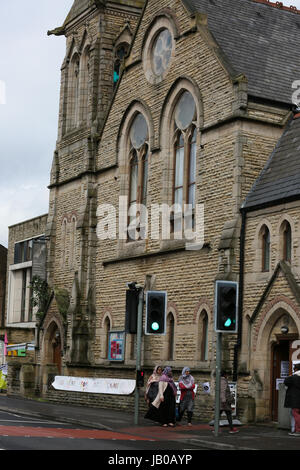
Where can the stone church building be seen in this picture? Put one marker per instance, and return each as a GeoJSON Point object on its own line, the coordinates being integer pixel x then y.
{"type": "Point", "coordinates": [163, 103]}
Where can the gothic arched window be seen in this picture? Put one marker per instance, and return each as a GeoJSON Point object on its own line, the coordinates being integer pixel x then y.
{"type": "Point", "coordinates": [138, 170]}
{"type": "Point", "coordinates": [185, 150]}
{"type": "Point", "coordinates": [120, 54]}
{"type": "Point", "coordinates": [287, 241]}
{"type": "Point", "coordinates": [73, 92]}
{"type": "Point", "coordinates": [265, 241]}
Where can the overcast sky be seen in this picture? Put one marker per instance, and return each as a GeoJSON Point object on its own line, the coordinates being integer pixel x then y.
{"type": "Point", "coordinates": [30, 64]}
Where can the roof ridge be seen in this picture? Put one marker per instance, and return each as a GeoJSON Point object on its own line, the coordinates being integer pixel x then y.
{"type": "Point", "coordinates": [279, 5]}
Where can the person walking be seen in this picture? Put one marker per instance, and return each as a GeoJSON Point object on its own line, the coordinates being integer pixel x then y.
{"type": "Point", "coordinates": [186, 384]}
{"type": "Point", "coordinates": [163, 407]}
{"type": "Point", "coordinates": [292, 398]}
{"type": "Point", "coordinates": [226, 400]}
{"type": "Point", "coordinates": [152, 385]}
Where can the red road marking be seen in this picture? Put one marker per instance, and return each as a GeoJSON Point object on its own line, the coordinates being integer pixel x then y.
{"type": "Point", "coordinates": [66, 433]}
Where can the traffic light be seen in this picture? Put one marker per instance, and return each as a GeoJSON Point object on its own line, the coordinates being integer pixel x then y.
{"type": "Point", "coordinates": [132, 302]}
{"type": "Point", "coordinates": [139, 378]}
{"type": "Point", "coordinates": [156, 306]}
{"type": "Point", "coordinates": [226, 302]}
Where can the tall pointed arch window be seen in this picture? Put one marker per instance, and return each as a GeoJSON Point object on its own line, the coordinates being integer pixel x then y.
{"type": "Point", "coordinates": [287, 241]}
{"type": "Point", "coordinates": [138, 173]}
{"type": "Point", "coordinates": [84, 86]}
{"type": "Point", "coordinates": [265, 240]}
{"type": "Point", "coordinates": [73, 92]}
{"type": "Point", "coordinates": [120, 54]}
{"type": "Point", "coordinates": [185, 150]}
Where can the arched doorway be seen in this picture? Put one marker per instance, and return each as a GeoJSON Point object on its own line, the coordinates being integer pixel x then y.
{"type": "Point", "coordinates": [53, 346]}
{"type": "Point", "coordinates": [273, 351]}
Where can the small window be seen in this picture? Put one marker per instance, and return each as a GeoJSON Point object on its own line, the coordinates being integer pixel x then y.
{"type": "Point", "coordinates": [265, 238]}
{"type": "Point", "coordinates": [170, 336]}
{"type": "Point", "coordinates": [120, 54]}
{"type": "Point", "coordinates": [287, 242]}
{"type": "Point", "coordinates": [203, 335]}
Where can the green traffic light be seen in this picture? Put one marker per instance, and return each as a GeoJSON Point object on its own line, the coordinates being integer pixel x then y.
{"type": "Point", "coordinates": [227, 323]}
{"type": "Point", "coordinates": [154, 326]}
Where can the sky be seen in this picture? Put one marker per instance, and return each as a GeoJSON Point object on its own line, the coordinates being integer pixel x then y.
{"type": "Point", "coordinates": [30, 64]}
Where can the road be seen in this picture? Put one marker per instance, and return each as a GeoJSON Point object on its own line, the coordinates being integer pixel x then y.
{"type": "Point", "coordinates": [23, 433]}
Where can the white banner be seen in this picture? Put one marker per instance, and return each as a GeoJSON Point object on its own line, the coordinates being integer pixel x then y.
{"type": "Point", "coordinates": [94, 385]}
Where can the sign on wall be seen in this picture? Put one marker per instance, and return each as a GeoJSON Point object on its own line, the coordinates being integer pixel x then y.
{"type": "Point", "coordinates": [116, 346]}
{"type": "Point", "coordinates": [94, 385]}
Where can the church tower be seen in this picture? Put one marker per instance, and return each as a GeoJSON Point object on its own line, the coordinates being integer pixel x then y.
{"type": "Point", "coordinates": [98, 36]}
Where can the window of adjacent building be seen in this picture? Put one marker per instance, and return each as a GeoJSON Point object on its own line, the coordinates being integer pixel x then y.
{"type": "Point", "coordinates": [138, 174]}
{"type": "Point", "coordinates": [29, 261]}
{"type": "Point", "coordinates": [120, 54]}
{"type": "Point", "coordinates": [287, 242]}
{"type": "Point", "coordinates": [265, 239]}
{"type": "Point", "coordinates": [185, 149]}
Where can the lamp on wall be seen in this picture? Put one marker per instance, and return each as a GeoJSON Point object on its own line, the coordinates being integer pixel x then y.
{"type": "Point", "coordinates": [284, 329]}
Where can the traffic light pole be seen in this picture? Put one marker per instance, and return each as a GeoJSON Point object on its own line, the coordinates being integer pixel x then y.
{"type": "Point", "coordinates": [218, 382]}
{"type": "Point", "coordinates": [138, 351]}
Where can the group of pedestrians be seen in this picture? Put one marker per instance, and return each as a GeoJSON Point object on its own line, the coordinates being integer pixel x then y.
{"type": "Point", "coordinates": [161, 392]}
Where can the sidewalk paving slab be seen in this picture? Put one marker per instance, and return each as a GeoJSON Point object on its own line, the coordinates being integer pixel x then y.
{"type": "Point", "coordinates": [250, 437]}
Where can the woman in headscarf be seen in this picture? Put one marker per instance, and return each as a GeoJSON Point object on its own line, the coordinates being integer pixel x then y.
{"type": "Point", "coordinates": [163, 407]}
{"type": "Point", "coordinates": [152, 385]}
{"type": "Point", "coordinates": [187, 396]}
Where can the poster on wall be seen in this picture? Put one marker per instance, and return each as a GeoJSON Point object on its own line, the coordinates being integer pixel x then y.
{"type": "Point", "coordinates": [116, 349]}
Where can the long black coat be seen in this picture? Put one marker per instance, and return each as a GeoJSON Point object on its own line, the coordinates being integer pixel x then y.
{"type": "Point", "coordinates": [292, 397]}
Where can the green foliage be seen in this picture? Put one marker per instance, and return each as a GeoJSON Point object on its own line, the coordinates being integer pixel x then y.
{"type": "Point", "coordinates": [40, 295]}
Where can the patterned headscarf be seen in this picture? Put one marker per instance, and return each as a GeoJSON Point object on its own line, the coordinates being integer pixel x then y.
{"type": "Point", "coordinates": [186, 379]}
{"type": "Point", "coordinates": [155, 377]}
{"type": "Point", "coordinates": [168, 377]}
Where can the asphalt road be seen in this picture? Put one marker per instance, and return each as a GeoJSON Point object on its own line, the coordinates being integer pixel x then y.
{"type": "Point", "coordinates": [24, 433]}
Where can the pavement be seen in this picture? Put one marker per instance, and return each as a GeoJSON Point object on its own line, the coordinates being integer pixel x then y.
{"type": "Point", "coordinates": [200, 435]}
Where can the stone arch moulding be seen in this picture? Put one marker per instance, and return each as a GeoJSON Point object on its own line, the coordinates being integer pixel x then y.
{"type": "Point", "coordinates": [169, 15]}
{"type": "Point", "coordinates": [106, 314]}
{"type": "Point", "coordinates": [182, 84]}
{"type": "Point", "coordinates": [51, 324]}
{"type": "Point", "coordinates": [272, 311]}
{"type": "Point", "coordinates": [172, 308]}
{"type": "Point", "coordinates": [203, 304]}
{"type": "Point", "coordinates": [135, 107]}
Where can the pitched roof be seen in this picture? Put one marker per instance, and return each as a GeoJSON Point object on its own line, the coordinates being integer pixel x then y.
{"type": "Point", "coordinates": [78, 7]}
{"type": "Point", "coordinates": [258, 40]}
{"type": "Point", "coordinates": [280, 179]}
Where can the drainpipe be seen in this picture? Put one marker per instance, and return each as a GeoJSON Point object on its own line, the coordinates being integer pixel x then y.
{"type": "Point", "coordinates": [238, 344]}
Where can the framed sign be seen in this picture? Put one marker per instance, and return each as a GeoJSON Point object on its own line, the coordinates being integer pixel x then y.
{"type": "Point", "coordinates": [116, 346]}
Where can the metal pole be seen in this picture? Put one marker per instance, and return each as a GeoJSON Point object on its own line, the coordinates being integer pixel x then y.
{"type": "Point", "coordinates": [218, 382]}
{"type": "Point", "coordinates": [138, 351]}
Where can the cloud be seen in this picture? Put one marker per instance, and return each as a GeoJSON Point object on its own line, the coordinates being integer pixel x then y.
{"type": "Point", "coordinates": [30, 64]}
{"type": "Point", "coordinates": [19, 203]}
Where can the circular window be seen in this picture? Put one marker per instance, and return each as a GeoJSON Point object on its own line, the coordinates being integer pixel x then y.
{"type": "Point", "coordinates": [185, 110]}
{"type": "Point", "coordinates": [161, 53]}
{"type": "Point", "coordinates": [159, 50]}
{"type": "Point", "coordinates": [139, 131]}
